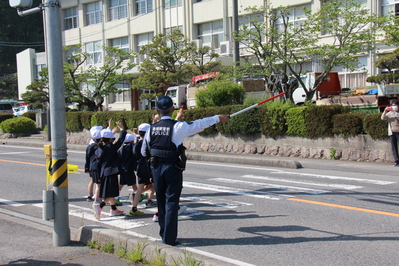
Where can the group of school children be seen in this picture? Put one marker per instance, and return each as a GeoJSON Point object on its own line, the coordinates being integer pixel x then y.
{"type": "Point", "coordinates": [106, 159]}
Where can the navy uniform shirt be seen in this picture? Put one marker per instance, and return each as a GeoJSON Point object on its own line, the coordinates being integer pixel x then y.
{"type": "Point", "coordinates": [181, 130]}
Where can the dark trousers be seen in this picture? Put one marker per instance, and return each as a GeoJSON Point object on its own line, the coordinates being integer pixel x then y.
{"type": "Point", "coordinates": [394, 144]}
{"type": "Point", "coordinates": [168, 181]}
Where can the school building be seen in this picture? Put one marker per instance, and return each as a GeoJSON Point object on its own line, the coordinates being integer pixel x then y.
{"type": "Point", "coordinates": [130, 24]}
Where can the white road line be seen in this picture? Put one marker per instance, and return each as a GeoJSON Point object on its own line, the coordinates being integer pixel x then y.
{"type": "Point", "coordinates": [16, 152]}
{"type": "Point", "coordinates": [121, 222]}
{"type": "Point", "coordinates": [277, 171]}
{"type": "Point", "coordinates": [361, 180]}
{"type": "Point", "coordinates": [267, 185]}
{"type": "Point", "coordinates": [9, 202]}
{"type": "Point", "coordinates": [337, 186]}
{"type": "Point", "coordinates": [236, 191]}
{"type": "Point", "coordinates": [232, 205]}
{"type": "Point", "coordinates": [194, 250]}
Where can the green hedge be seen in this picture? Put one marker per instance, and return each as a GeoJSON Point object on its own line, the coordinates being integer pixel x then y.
{"type": "Point", "coordinates": [318, 119]}
{"type": "Point", "coordinates": [272, 120]}
{"type": "Point", "coordinates": [348, 124]}
{"type": "Point", "coordinates": [295, 120]}
{"type": "Point", "coordinates": [375, 126]}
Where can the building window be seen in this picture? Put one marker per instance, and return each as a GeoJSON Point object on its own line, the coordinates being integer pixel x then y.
{"type": "Point", "coordinates": [121, 43]}
{"type": "Point", "coordinates": [389, 6]}
{"type": "Point", "coordinates": [142, 40]}
{"type": "Point", "coordinates": [296, 16]}
{"type": "Point", "coordinates": [38, 69]}
{"type": "Point", "coordinates": [71, 18]}
{"type": "Point", "coordinates": [247, 22]}
{"type": "Point", "coordinates": [211, 33]}
{"type": "Point", "coordinates": [69, 54]}
{"type": "Point", "coordinates": [95, 51]}
{"type": "Point", "coordinates": [169, 30]}
{"type": "Point", "coordinates": [172, 3]}
{"type": "Point", "coordinates": [93, 13]}
{"type": "Point", "coordinates": [124, 96]}
{"type": "Point", "coordinates": [117, 9]}
{"type": "Point", "coordinates": [143, 7]}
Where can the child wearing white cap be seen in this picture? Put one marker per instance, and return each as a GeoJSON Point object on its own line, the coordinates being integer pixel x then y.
{"type": "Point", "coordinates": [108, 162]}
{"type": "Point", "coordinates": [91, 162]}
{"type": "Point", "coordinates": [143, 175]}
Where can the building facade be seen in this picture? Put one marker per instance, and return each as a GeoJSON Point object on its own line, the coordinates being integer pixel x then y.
{"type": "Point", "coordinates": [130, 24]}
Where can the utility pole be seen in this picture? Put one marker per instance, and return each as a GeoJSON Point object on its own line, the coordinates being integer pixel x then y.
{"type": "Point", "coordinates": [59, 171]}
{"type": "Point", "coordinates": [236, 44]}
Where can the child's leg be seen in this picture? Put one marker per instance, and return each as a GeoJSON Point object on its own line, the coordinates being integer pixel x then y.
{"type": "Point", "coordinates": [90, 187]}
{"type": "Point", "coordinates": [138, 194]}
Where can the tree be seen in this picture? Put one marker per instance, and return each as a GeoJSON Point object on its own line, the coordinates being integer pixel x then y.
{"type": "Point", "coordinates": [37, 92]}
{"type": "Point", "coordinates": [172, 59]}
{"type": "Point", "coordinates": [9, 87]}
{"type": "Point", "coordinates": [17, 34]}
{"type": "Point", "coordinates": [220, 93]}
{"type": "Point", "coordinates": [98, 82]}
{"type": "Point", "coordinates": [348, 30]}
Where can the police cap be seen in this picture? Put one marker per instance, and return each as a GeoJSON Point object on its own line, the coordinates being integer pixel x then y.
{"type": "Point", "coordinates": [164, 102]}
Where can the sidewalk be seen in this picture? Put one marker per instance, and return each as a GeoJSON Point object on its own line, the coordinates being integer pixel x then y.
{"type": "Point", "coordinates": [30, 240]}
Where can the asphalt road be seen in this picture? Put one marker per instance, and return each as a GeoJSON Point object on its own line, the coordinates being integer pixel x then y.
{"type": "Point", "coordinates": [327, 213]}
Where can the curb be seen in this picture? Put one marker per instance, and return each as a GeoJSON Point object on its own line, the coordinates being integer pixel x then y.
{"type": "Point", "coordinates": [151, 250]}
{"type": "Point", "coordinates": [239, 159]}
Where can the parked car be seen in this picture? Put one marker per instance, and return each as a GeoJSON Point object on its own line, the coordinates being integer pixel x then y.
{"type": "Point", "coordinates": [25, 108]}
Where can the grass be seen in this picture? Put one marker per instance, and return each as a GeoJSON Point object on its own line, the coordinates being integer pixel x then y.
{"type": "Point", "coordinates": [137, 255]}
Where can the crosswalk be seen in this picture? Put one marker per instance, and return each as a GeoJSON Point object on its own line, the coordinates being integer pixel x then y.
{"type": "Point", "coordinates": [270, 186]}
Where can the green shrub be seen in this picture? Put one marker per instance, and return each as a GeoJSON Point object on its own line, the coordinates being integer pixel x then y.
{"type": "Point", "coordinates": [272, 118]}
{"type": "Point", "coordinates": [375, 126]}
{"type": "Point", "coordinates": [220, 93]}
{"type": "Point", "coordinates": [295, 121]}
{"type": "Point", "coordinates": [18, 125]}
{"type": "Point", "coordinates": [348, 124]}
{"type": "Point", "coordinates": [5, 117]}
{"type": "Point", "coordinates": [245, 123]}
{"type": "Point", "coordinates": [86, 118]}
{"type": "Point", "coordinates": [73, 121]}
{"type": "Point", "coordinates": [318, 119]}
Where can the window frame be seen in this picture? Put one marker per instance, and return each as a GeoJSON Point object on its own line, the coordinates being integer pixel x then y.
{"type": "Point", "coordinates": [118, 11]}
{"type": "Point", "coordinates": [74, 18]}
{"type": "Point", "coordinates": [95, 16]}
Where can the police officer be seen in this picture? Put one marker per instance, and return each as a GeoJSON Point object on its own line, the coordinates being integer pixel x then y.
{"type": "Point", "coordinates": [161, 143]}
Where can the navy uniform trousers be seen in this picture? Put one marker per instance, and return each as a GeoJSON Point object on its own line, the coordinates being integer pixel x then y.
{"type": "Point", "coordinates": [168, 181]}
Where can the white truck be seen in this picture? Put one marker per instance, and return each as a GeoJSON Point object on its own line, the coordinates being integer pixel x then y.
{"type": "Point", "coordinates": [329, 86]}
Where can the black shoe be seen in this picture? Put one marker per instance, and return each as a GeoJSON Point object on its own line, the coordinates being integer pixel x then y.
{"type": "Point", "coordinates": [176, 243]}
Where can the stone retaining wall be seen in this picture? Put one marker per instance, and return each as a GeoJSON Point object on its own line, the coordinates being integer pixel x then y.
{"type": "Point", "coordinates": [359, 148]}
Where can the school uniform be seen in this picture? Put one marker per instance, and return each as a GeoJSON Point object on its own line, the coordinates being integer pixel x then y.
{"type": "Point", "coordinates": [163, 140]}
{"type": "Point", "coordinates": [108, 167]}
{"type": "Point", "coordinates": [127, 164]}
{"type": "Point", "coordinates": [91, 164]}
{"type": "Point", "coordinates": [142, 168]}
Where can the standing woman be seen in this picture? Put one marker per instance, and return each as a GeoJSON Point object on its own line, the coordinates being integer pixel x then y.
{"type": "Point", "coordinates": [107, 154]}
{"type": "Point", "coordinates": [392, 115]}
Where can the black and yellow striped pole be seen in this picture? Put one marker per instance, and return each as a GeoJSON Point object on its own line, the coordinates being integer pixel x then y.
{"type": "Point", "coordinates": [52, 15]}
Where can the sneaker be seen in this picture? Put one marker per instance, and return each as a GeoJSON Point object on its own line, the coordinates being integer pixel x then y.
{"type": "Point", "coordinates": [131, 198]}
{"type": "Point", "coordinates": [136, 213]}
{"type": "Point", "coordinates": [396, 164]}
{"type": "Point", "coordinates": [116, 212]}
{"type": "Point", "coordinates": [142, 197]}
{"type": "Point", "coordinates": [89, 198]}
{"type": "Point", "coordinates": [150, 204]}
{"type": "Point", "coordinates": [155, 218]}
{"type": "Point", "coordinates": [97, 210]}
{"type": "Point", "coordinates": [181, 209]}
{"type": "Point", "coordinates": [118, 203]}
